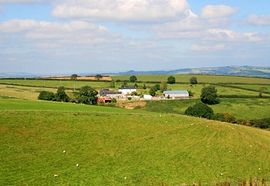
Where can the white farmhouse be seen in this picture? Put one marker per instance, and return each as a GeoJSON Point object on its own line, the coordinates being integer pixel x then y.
{"type": "Point", "coordinates": [176, 94]}
{"type": "Point", "coordinates": [126, 91]}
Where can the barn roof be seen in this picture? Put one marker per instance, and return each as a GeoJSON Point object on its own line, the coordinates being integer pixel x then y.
{"type": "Point", "coordinates": [176, 92]}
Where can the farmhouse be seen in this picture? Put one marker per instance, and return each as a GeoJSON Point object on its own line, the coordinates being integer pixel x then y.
{"type": "Point", "coordinates": [110, 94]}
{"type": "Point", "coordinates": [176, 94]}
{"type": "Point", "coordinates": [128, 90]}
{"type": "Point", "coordinates": [147, 97]}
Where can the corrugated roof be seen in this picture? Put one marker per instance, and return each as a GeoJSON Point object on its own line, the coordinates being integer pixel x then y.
{"type": "Point", "coordinates": [176, 92]}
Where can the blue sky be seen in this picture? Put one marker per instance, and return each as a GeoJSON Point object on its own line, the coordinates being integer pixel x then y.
{"type": "Point", "coordinates": [68, 36]}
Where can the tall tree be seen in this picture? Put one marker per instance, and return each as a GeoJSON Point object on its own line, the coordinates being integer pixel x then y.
{"type": "Point", "coordinates": [209, 95]}
{"type": "Point", "coordinates": [193, 80]}
{"type": "Point", "coordinates": [171, 80]}
{"type": "Point", "coordinates": [133, 79]}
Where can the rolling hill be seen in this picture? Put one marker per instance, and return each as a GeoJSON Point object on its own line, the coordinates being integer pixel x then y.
{"type": "Point", "coordinates": [43, 143]}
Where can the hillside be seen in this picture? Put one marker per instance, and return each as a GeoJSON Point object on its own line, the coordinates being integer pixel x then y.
{"type": "Point", "coordinates": [227, 70]}
{"type": "Point", "coordinates": [41, 143]}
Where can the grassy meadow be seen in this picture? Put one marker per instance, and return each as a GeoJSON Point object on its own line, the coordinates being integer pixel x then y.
{"type": "Point", "coordinates": [51, 143]}
{"type": "Point", "coordinates": [42, 143]}
{"type": "Point", "coordinates": [244, 108]}
{"type": "Point", "coordinates": [184, 78]}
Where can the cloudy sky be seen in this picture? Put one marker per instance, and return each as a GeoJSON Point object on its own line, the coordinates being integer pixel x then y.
{"type": "Point", "coordinates": [75, 36]}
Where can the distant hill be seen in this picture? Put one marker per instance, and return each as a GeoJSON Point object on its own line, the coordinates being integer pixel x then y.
{"type": "Point", "coordinates": [227, 70]}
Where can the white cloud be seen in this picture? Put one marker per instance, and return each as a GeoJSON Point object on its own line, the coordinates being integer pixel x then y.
{"type": "Point", "coordinates": [217, 11]}
{"type": "Point", "coordinates": [121, 10]}
{"type": "Point", "coordinates": [51, 33]}
{"type": "Point", "coordinates": [259, 20]}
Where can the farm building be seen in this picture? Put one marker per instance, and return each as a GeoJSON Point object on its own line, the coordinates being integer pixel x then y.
{"type": "Point", "coordinates": [109, 93]}
{"type": "Point", "coordinates": [176, 94]}
{"type": "Point", "coordinates": [147, 97]}
{"type": "Point", "coordinates": [126, 91]}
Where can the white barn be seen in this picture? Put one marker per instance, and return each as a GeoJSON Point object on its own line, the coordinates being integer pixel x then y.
{"type": "Point", "coordinates": [176, 94]}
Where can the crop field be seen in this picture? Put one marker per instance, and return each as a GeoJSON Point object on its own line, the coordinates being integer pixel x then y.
{"type": "Point", "coordinates": [184, 78]}
{"type": "Point", "coordinates": [43, 143]}
{"type": "Point", "coordinates": [254, 108]}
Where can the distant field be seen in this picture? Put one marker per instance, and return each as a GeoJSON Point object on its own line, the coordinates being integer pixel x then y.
{"type": "Point", "coordinates": [120, 147]}
{"type": "Point", "coordinates": [266, 88]}
{"type": "Point", "coordinates": [224, 91]}
{"type": "Point", "coordinates": [201, 79]}
{"type": "Point", "coordinates": [240, 108]}
{"type": "Point", "coordinates": [57, 83]}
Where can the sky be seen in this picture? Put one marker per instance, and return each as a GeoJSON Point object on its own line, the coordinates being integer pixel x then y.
{"type": "Point", "coordinates": [98, 36]}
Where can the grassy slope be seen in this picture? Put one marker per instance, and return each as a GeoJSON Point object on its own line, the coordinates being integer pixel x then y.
{"type": "Point", "coordinates": [201, 79]}
{"type": "Point", "coordinates": [240, 108]}
{"type": "Point", "coordinates": [121, 147]}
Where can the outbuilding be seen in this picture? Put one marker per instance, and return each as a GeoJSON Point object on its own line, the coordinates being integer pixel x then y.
{"type": "Point", "coordinates": [126, 91]}
{"type": "Point", "coordinates": [176, 94]}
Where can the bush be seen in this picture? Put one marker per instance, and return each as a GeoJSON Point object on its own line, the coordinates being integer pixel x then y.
{"type": "Point", "coordinates": [261, 123]}
{"type": "Point", "coordinates": [209, 95]}
{"type": "Point", "coordinates": [46, 95]}
{"type": "Point", "coordinates": [153, 91]}
{"type": "Point", "coordinates": [61, 95]}
{"type": "Point", "coordinates": [191, 94]}
{"type": "Point", "coordinates": [225, 117]}
{"type": "Point", "coordinates": [200, 110]}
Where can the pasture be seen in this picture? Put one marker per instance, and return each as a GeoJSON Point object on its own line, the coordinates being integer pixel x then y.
{"type": "Point", "coordinates": [212, 79]}
{"type": "Point", "coordinates": [242, 108]}
{"type": "Point", "coordinates": [44, 143]}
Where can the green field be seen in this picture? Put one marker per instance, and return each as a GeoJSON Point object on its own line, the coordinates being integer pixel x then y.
{"type": "Point", "coordinates": [251, 108]}
{"type": "Point", "coordinates": [120, 147]}
{"type": "Point", "coordinates": [56, 83]}
{"type": "Point", "coordinates": [184, 78]}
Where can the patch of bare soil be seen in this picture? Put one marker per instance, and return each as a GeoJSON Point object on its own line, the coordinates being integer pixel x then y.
{"type": "Point", "coordinates": [131, 105]}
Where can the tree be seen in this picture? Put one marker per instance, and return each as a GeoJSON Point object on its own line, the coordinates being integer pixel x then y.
{"type": "Point", "coordinates": [61, 95]}
{"type": "Point", "coordinates": [46, 95]}
{"type": "Point", "coordinates": [87, 95]}
{"type": "Point", "coordinates": [74, 76]}
{"type": "Point", "coordinates": [152, 91]}
{"type": "Point", "coordinates": [125, 84]}
{"type": "Point", "coordinates": [209, 95]}
{"type": "Point", "coordinates": [133, 79]}
{"type": "Point", "coordinates": [98, 76]}
{"type": "Point", "coordinates": [200, 110]}
{"type": "Point", "coordinates": [193, 80]}
{"type": "Point", "coordinates": [171, 80]}
{"type": "Point", "coordinates": [157, 87]}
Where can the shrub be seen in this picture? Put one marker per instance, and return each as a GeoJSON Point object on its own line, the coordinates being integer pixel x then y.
{"type": "Point", "coordinates": [191, 94]}
{"type": "Point", "coordinates": [153, 91]}
{"type": "Point", "coordinates": [261, 123]}
{"type": "Point", "coordinates": [61, 95]}
{"type": "Point", "coordinates": [225, 117]}
{"type": "Point", "coordinates": [46, 95]}
{"type": "Point", "coordinates": [209, 95]}
{"type": "Point", "coordinates": [200, 110]}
